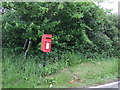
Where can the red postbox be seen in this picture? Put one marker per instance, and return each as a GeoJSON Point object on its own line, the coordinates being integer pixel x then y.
{"type": "Point", "coordinates": [46, 43]}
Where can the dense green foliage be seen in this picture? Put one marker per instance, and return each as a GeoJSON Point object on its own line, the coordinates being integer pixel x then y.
{"type": "Point", "coordinates": [80, 26]}
{"type": "Point", "coordinates": [81, 31]}
{"type": "Point", "coordinates": [29, 73]}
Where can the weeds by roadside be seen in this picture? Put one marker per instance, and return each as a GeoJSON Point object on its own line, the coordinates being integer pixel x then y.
{"type": "Point", "coordinates": [72, 70]}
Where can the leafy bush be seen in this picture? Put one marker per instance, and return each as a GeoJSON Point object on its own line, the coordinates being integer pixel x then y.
{"type": "Point", "coordinates": [80, 26]}
{"type": "Point", "coordinates": [72, 59]}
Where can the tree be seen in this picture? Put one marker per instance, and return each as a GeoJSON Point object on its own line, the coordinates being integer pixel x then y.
{"type": "Point", "coordinates": [74, 26]}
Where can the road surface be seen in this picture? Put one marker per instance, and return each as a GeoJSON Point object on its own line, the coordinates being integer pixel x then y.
{"type": "Point", "coordinates": [110, 85]}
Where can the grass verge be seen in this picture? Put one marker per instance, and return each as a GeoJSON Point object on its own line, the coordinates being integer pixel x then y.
{"type": "Point", "coordinates": [83, 75]}
{"type": "Point", "coordinates": [69, 72]}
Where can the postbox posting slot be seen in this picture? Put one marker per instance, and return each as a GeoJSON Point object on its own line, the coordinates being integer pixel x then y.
{"type": "Point", "coordinates": [48, 37]}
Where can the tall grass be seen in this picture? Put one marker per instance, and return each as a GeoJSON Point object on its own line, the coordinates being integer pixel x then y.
{"type": "Point", "coordinates": [20, 72]}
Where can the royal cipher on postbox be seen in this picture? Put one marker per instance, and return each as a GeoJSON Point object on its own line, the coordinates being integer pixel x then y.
{"type": "Point", "coordinates": [46, 43]}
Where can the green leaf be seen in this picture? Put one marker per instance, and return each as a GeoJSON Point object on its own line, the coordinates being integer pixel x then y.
{"type": "Point", "coordinates": [77, 15]}
{"type": "Point", "coordinates": [60, 6]}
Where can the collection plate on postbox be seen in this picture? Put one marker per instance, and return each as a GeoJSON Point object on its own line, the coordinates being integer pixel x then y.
{"type": "Point", "coordinates": [46, 43]}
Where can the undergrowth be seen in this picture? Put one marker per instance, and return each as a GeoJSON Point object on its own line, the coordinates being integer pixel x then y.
{"type": "Point", "coordinates": [18, 71]}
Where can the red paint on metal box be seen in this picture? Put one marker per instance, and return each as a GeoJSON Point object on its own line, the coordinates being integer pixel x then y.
{"type": "Point", "coordinates": [46, 43]}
